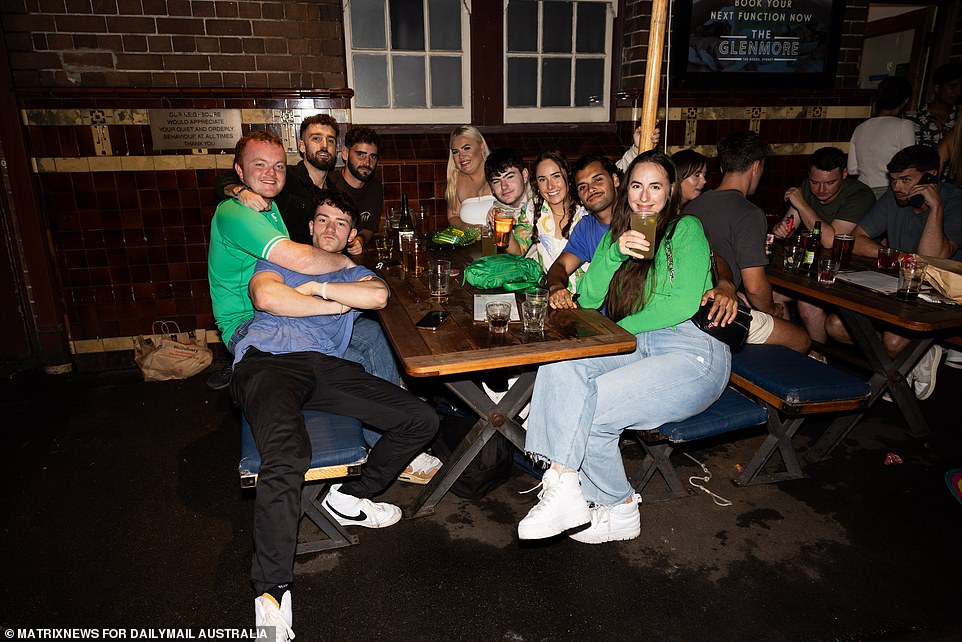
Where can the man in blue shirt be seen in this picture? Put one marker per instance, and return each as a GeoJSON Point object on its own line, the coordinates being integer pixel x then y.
{"type": "Point", "coordinates": [292, 359]}
{"type": "Point", "coordinates": [596, 180]}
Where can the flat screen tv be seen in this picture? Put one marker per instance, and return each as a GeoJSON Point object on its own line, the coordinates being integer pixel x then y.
{"type": "Point", "coordinates": [756, 43]}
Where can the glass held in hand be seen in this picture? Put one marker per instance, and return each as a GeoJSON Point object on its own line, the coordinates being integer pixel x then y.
{"type": "Point", "coordinates": [646, 223]}
{"type": "Point", "coordinates": [502, 230]}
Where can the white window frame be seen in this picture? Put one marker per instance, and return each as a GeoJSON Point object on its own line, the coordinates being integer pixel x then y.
{"type": "Point", "coordinates": [537, 114]}
{"type": "Point", "coordinates": [412, 115]}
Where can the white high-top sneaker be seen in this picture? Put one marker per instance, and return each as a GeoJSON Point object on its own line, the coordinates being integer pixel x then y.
{"type": "Point", "coordinates": [612, 523]}
{"type": "Point", "coordinates": [267, 612]}
{"type": "Point", "coordinates": [562, 506]}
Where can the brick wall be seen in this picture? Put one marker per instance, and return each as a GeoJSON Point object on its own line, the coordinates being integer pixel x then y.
{"type": "Point", "coordinates": [635, 44]}
{"type": "Point", "coordinates": [174, 43]}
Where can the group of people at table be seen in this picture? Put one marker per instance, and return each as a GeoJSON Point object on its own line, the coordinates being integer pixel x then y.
{"type": "Point", "coordinates": [289, 302]}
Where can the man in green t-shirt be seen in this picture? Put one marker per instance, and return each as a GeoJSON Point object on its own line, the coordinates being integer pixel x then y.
{"type": "Point", "coordinates": [240, 235]}
{"type": "Point", "coordinates": [828, 196]}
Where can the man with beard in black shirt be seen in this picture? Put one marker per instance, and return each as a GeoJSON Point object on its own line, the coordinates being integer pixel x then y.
{"type": "Point", "coordinates": [357, 179]}
{"type": "Point", "coordinates": [317, 145]}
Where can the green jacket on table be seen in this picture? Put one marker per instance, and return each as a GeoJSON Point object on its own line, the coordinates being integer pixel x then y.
{"type": "Point", "coordinates": [672, 299]}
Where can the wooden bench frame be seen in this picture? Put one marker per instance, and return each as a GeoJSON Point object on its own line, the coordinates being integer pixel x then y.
{"type": "Point", "coordinates": [317, 480]}
{"type": "Point", "coordinates": [782, 430]}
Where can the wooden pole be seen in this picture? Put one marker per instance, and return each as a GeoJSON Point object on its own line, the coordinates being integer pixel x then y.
{"type": "Point", "coordinates": [656, 46]}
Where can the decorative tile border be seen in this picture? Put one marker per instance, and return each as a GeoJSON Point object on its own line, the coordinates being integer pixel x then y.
{"type": "Point", "coordinates": [93, 117]}
{"type": "Point", "coordinates": [117, 344]}
{"type": "Point", "coordinates": [67, 165]}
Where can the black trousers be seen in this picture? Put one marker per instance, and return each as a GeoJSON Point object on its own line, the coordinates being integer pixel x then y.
{"type": "Point", "coordinates": [273, 391]}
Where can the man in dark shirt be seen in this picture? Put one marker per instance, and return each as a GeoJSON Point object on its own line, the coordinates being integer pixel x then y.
{"type": "Point", "coordinates": [358, 180]}
{"type": "Point", "coordinates": [318, 147]}
{"type": "Point", "coordinates": [939, 115]}
{"type": "Point", "coordinates": [736, 229]}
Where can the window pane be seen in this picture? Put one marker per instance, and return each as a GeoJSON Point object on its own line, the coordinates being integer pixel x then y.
{"type": "Point", "coordinates": [445, 81]}
{"type": "Point", "coordinates": [522, 82]}
{"type": "Point", "coordinates": [591, 27]}
{"type": "Point", "coordinates": [589, 82]}
{"type": "Point", "coordinates": [407, 25]}
{"type": "Point", "coordinates": [556, 27]}
{"type": "Point", "coordinates": [556, 82]}
{"type": "Point", "coordinates": [408, 81]}
{"type": "Point", "coordinates": [370, 81]}
{"type": "Point", "coordinates": [522, 25]}
{"type": "Point", "coordinates": [367, 24]}
{"type": "Point", "coordinates": [445, 20]}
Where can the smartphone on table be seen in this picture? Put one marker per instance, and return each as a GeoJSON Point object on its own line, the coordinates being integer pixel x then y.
{"type": "Point", "coordinates": [432, 320]}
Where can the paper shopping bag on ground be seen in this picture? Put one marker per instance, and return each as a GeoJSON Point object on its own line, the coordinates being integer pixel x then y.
{"type": "Point", "coordinates": [170, 353]}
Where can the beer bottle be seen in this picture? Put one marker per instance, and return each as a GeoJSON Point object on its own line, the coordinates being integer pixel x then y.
{"type": "Point", "coordinates": [814, 249]}
{"type": "Point", "coordinates": [406, 223]}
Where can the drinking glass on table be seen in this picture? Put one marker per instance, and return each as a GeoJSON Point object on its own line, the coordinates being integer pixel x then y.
{"type": "Point", "coordinates": [887, 257]}
{"type": "Point", "coordinates": [793, 256]}
{"type": "Point", "coordinates": [827, 271]}
{"type": "Point", "coordinates": [417, 259]}
{"type": "Point", "coordinates": [537, 294]}
{"type": "Point", "coordinates": [385, 247]}
{"type": "Point", "coordinates": [439, 277]}
{"type": "Point", "coordinates": [911, 274]}
{"type": "Point", "coordinates": [842, 248]}
{"type": "Point", "coordinates": [498, 314]}
{"type": "Point", "coordinates": [532, 315]}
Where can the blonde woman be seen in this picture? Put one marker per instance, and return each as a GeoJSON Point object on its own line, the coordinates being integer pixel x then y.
{"type": "Point", "coordinates": [468, 195]}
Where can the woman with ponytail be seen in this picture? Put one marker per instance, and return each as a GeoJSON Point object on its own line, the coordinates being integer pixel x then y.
{"type": "Point", "coordinates": [580, 408]}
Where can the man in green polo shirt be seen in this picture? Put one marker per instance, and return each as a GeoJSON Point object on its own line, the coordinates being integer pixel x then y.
{"type": "Point", "coordinates": [240, 235]}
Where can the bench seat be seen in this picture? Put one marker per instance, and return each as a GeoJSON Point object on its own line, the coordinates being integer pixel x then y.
{"type": "Point", "coordinates": [732, 411]}
{"type": "Point", "coordinates": [792, 386]}
{"type": "Point", "coordinates": [338, 450]}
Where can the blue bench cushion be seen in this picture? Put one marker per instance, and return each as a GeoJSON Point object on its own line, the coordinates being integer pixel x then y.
{"type": "Point", "coordinates": [335, 440]}
{"type": "Point", "coordinates": [795, 377]}
{"type": "Point", "coordinates": [731, 412]}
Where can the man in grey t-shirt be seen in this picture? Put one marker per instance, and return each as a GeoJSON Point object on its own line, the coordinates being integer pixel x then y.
{"type": "Point", "coordinates": [736, 229]}
{"type": "Point", "coordinates": [932, 229]}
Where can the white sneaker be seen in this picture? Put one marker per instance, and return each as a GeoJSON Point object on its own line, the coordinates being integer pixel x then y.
{"type": "Point", "coordinates": [349, 510]}
{"type": "Point", "coordinates": [612, 523]}
{"type": "Point", "coordinates": [562, 506]}
{"type": "Point", "coordinates": [421, 469]}
{"type": "Point", "coordinates": [953, 359]}
{"type": "Point", "coordinates": [923, 374]}
{"type": "Point", "coordinates": [267, 612]}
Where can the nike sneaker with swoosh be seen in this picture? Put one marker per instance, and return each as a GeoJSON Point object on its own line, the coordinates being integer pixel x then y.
{"type": "Point", "coordinates": [355, 511]}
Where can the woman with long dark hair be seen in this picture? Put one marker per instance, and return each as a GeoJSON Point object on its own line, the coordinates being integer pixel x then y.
{"type": "Point", "coordinates": [544, 224]}
{"type": "Point", "coordinates": [580, 408]}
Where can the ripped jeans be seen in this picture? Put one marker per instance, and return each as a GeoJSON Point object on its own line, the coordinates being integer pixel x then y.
{"type": "Point", "coordinates": [581, 407]}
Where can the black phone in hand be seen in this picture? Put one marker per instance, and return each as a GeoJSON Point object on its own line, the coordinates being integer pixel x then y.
{"type": "Point", "coordinates": [917, 200]}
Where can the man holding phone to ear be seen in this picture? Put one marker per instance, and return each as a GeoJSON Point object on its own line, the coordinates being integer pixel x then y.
{"type": "Point", "coordinates": [917, 214]}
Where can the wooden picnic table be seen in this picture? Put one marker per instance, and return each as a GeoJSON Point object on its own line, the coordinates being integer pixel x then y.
{"type": "Point", "coordinates": [865, 313]}
{"type": "Point", "coordinates": [461, 349]}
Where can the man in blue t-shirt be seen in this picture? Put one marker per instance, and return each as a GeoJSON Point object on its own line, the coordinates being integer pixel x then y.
{"type": "Point", "coordinates": [292, 359]}
{"type": "Point", "coordinates": [596, 180]}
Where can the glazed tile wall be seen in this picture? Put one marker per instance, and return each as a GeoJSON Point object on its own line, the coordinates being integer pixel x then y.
{"type": "Point", "coordinates": [129, 225]}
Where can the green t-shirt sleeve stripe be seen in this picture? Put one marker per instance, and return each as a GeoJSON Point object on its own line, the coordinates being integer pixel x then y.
{"type": "Point", "coordinates": [270, 245]}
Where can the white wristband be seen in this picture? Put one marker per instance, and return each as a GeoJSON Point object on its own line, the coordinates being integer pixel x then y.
{"type": "Point", "coordinates": [324, 291]}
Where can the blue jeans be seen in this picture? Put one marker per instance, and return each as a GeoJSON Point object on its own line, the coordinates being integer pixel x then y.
{"type": "Point", "coordinates": [369, 347]}
{"type": "Point", "coordinates": [581, 407]}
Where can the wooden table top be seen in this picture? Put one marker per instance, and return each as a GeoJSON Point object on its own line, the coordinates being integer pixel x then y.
{"type": "Point", "coordinates": [917, 316]}
{"type": "Point", "coordinates": [462, 346]}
